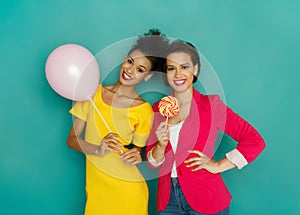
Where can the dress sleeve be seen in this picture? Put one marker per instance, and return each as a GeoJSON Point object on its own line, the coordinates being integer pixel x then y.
{"type": "Point", "coordinates": [250, 143]}
{"type": "Point", "coordinates": [143, 127]}
{"type": "Point", "coordinates": [80, 110]}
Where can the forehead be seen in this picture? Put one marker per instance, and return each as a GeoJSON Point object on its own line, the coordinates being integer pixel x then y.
{"type": "Point", "coordinates": [179, 58]}
{"type": "Point", "coordinates": [137, 54]}
{"type": "Point", "coordinates": [140, 58]}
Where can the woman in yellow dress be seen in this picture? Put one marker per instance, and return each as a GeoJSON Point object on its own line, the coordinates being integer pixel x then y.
{"type": "Point", "coordinates": [114, 184]}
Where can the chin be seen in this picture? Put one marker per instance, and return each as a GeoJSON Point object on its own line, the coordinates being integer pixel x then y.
{"type": "Point", "coordinates": [182, 88]}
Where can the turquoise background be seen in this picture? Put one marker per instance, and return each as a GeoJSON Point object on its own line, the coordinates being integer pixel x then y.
{"type": "Point", "coordinates": [252, 45]}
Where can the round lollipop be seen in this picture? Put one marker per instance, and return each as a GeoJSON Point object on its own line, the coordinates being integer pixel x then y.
{"type": "Point", "coordinates": [168, 106]}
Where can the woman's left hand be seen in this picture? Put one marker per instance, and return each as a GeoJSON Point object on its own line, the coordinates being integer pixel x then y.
{"type": "Point", "coordinates": [201, 161]}
{"type": "Point", "coordinates": [132, 156]}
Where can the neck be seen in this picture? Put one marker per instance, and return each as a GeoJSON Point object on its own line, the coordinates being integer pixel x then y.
{"type": "Point", "coordinates": [184, 97]}
{"type": "Point", "coordinates": [121, 89]}
{"type": "Point", "coordinates": [185, 102]}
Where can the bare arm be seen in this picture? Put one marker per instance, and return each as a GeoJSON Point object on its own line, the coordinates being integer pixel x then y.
{"type": "Point", "coordinates": [201, 161]}
{"type": "Point", "coordinates": [74, 141]}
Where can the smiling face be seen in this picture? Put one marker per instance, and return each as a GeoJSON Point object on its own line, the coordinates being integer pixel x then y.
{"type": "Point", "coordinates": [135, 68]}
{"type": "Point", "coordinates": [180, 71]}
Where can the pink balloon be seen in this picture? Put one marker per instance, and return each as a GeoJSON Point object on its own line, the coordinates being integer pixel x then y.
{"type": "Point", "coordinates": [73, 72]}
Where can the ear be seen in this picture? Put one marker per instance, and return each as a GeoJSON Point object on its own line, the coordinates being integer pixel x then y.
{"type": "Point", "coordinates": [196, 70]}
{"type": "Point", "coordinates": [148, 76]}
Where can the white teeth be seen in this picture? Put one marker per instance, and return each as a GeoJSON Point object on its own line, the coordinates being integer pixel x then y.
{"type": "Point", "coordinates": [179, 82]}
{"type": "Point", "coordinates": [127, 76]}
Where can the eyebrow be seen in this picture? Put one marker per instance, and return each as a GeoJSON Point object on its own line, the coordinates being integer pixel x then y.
{"type": "Point", "coordinates": [130, 58]}
{"type": "Point", "coordinates": [183, 64]}
{"type": "Point", "coordinates": [143, 67]}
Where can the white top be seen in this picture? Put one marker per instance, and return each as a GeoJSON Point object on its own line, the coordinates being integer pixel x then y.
{"type": "Point", "coordinates": [174, 134]}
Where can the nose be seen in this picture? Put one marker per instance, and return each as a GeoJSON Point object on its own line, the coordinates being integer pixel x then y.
{"type": "Point", "coordinates": [177, 73]}
{"type": "Point", "coordinates": [130, 69]}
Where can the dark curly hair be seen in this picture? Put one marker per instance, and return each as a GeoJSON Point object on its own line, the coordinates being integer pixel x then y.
{"type": "Point", "coordinates": [153, 45]}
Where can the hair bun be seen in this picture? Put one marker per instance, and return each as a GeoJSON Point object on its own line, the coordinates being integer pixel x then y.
{"type": "Point", "coordinates": [154, 31]}
{"type": "Point", "coordinates": [153, 45]}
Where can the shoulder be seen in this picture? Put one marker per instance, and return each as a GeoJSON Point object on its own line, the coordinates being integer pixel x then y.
{"type": "Point", "coordinates": [105, 89]}
{"type": "Point", "coordinates": [147, 107]}
{"type": "Point", "coordinates": [143, 109]}
{"type": "Point", "coordinates": [98, 91]}
{"type": "Point", "coordinates": [100, 86]}
{"type": "Point", "coordinates": [213, 98]}
{"type": "Point", "coordinates": [203, 98]}
{"type": "Point", "coordinates": [143, 113]}
{"type": "Point", "coordinates": [209, 102]}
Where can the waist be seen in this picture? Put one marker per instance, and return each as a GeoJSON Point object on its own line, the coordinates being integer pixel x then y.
{"type": "Point", "coordinates": [174, 180]}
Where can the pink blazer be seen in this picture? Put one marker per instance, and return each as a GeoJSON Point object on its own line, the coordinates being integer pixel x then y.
{"type": "Point", "coordinates": [205, 192]}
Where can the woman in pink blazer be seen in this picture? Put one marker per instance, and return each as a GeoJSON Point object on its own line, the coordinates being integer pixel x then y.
{"type": "Point", "coordinates": [189, 178]}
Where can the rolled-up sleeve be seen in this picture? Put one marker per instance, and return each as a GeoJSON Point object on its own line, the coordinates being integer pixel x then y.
{"type": "Point", "coordinates": [237, 158]}
{"type": "Point", "coordinates": [152, 161]}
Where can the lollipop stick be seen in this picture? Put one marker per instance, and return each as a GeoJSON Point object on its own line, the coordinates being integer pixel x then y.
{"type": "Point", "coordinates": [100, 115]}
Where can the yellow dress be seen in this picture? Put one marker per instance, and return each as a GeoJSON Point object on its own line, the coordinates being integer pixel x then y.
{"type": "Point", "coordinates": [112, 187]}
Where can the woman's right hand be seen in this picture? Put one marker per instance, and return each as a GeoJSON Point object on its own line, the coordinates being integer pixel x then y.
{"type": "Point", "coordinates": [162, 134]}
{"type": "Point", "coordinates": [109, 144]}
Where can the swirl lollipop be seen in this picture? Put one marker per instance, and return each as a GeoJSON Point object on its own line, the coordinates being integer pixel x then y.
{"type": "Point", "coordinates": [168, 106]}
